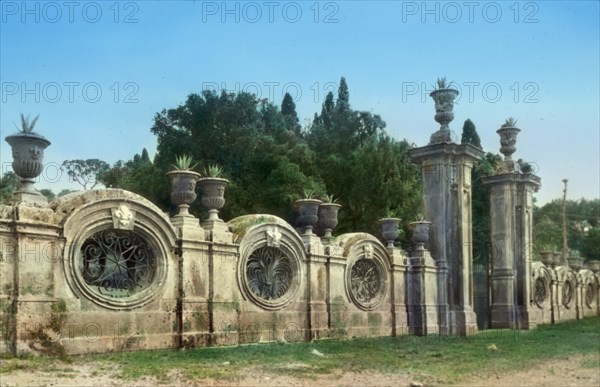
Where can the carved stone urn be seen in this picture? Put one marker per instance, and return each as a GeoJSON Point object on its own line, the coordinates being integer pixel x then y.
{"type": "Point", "coordinates": [558, 259]}
{"type": "Point", "coordinates": [328, 217]}
{"type": "Point", "coordinates": [420, 233]}
{"type": "Point", "coordinates": [389, 230]}
{"type": "Point", "coordinates": [308, 214]}
{"type": "Point", "coordinates": [575, 263]}
{"type": "Point", "coordinates": [213, 195]}
{"type": "Point", "coordinates": [547, 258]}
{"type": "Point", "coordinates": [594, 265]}
{"type": "Point", "coordinates": [183, 190]}
{"type": "Point", "coordinates": [508, 141]}
{"type": "Point", "coordinates": [444, 106]}
{"type": "Point", "coordinates": [28, 156]}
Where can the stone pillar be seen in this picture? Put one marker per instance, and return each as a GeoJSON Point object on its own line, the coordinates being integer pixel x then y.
{"type": "Point", "coordinates": [511, 198]}
{"type": "Point", "coordinates": [422, 293]}
{"type": "Point", "coordinates": [399, 261]}
{"type": "Point", "coordinates": [317, 274]}
{"type": "Point", "coordinates": [446, 173]}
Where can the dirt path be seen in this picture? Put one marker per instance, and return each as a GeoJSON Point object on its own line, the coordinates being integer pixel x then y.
{"type": "Point", "coordinates": [572, 371]}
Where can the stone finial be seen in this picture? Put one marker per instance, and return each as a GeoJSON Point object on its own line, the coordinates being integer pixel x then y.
{"type": "Point", "coordinates": [508, 139]}
{"type": "Point", "coordinates": [443, 97]}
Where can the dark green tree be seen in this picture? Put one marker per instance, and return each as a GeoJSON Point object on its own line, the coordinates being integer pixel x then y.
{"type": "Point", "coordinates": [8, 184]}
{"type": "Point", "coordinates": [367, 171]}
{"type": "Point", "coordinates": [469, 134]}
{"type": "Point", "coordinates": [288, 109]}
{"type": "Point", "coordinates": [481, 206]}
{"type": "Point", "coordinates": [268, 165]}
{"type": "Point", "coordinates": [48, 194]}
{"type": "Point", "coordinates": [343, 101]}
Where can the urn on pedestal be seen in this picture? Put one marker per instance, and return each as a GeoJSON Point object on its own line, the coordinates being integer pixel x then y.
{"type": "Point", "coordinates": [183, 185]}
{"type": "Point", "coordinates": [328, 215]}
{"type": "Point", "coordinates": [28, 155]}
{"type": "Point", "coordinates": [508, 139]}
{"type": "Point", "coordinates": [389, 230]}
{"type": "Point", "coordinates": [420, 233]}
{"type": "Point", "coordinates": [444, 97]}
{"type": "Point", "coordinates": [213, 191]}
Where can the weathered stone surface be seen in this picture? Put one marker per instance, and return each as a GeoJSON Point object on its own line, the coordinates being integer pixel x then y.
{"type": "Point", "coordinates": [446, 176]}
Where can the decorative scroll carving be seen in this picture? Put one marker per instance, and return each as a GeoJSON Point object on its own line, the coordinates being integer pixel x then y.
{"type": "Point", "coordinates": [590, 295]}
{"type": "Point", "coordinates": [567, 293]}
{"type": "Point", "coordinates": [366, 281]}
{"type": "Point", "coordinates": [117, 263]}
{"type": "Point", "coordinates": [269, 273]}
{"type": "Point", "coordinates": [540, 292]}
{"type": "Point", "coordinates": [368, 250]}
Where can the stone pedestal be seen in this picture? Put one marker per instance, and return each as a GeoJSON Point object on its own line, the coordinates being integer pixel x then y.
{"type": "Point", "coordinates": [446, 173]}
{"type": "Point", "coordinates": [318, 279]}
{"type": "Point", "coordinates": [399, 262]}
{"type": "Point", "coordinates": [511, 198]}
{"type": "Point", "coordinates": [422, 294]}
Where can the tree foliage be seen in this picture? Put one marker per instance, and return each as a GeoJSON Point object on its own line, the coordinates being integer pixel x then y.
{"type": "Point", "coordinates": [583, 226]}
{"type": "Point", "coordinates": [481, 206]}
{"type": "Point", "coordinates": [85, 172]}
{"type": "Point", "coordinates": [269, 162]}
{"type": "Point", "coordinates": [8, 184]}
{"type": "Point", "coordinates": [469, 134]}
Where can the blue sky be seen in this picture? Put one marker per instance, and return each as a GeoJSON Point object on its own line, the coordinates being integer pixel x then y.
{"type": "Point", "coordinates": [98, 72]}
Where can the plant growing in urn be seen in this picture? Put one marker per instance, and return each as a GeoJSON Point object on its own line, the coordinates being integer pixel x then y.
{"type": "Point", "coordinates": [420, 229]}
{"type": "Point", "coordinates": [443, 95]}
{"type": "Point", "coordinates": [308, 211]}
{"type": "Point", "coordinates": [213, 191]}
{"type": "Point", "coordinates": [328, 214]}
{"type": "Point", "coordinates": [28, 155]}
{"type": "Point", "coordinates": [183, 184]}
{"type": "Point", "coordinates": [574, 260]}
{"type": "Point", "coordinates": [389, 228]}
{"type": "Point", "coordinates": [508, 139]}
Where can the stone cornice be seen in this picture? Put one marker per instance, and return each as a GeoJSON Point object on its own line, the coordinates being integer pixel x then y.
{"type": "Point", "coordinates": [466, 151]}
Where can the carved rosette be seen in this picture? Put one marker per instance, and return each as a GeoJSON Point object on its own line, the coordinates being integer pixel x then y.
{"type": "Point", "coordinates": [590, 295]}
{"type": "Point", "coordinates": [269, 273]}
{"type": "Point", "coordinates": [540, 292]}
{"type": "Point", "coordinates": [366, 277]}
{"type": "Point", "coordinates": [269, 269]}
{"type": "Point", "coordinates": [117, 263]}
{"type": "Point", "coordinates": [567, 293]}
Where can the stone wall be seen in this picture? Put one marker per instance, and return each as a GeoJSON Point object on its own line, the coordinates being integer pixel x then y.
{"type": "Point", "coordinates": [106, 270]}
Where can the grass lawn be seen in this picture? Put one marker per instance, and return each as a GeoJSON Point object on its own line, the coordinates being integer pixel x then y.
{"type": "Point", "coordinates": [432, 359]}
